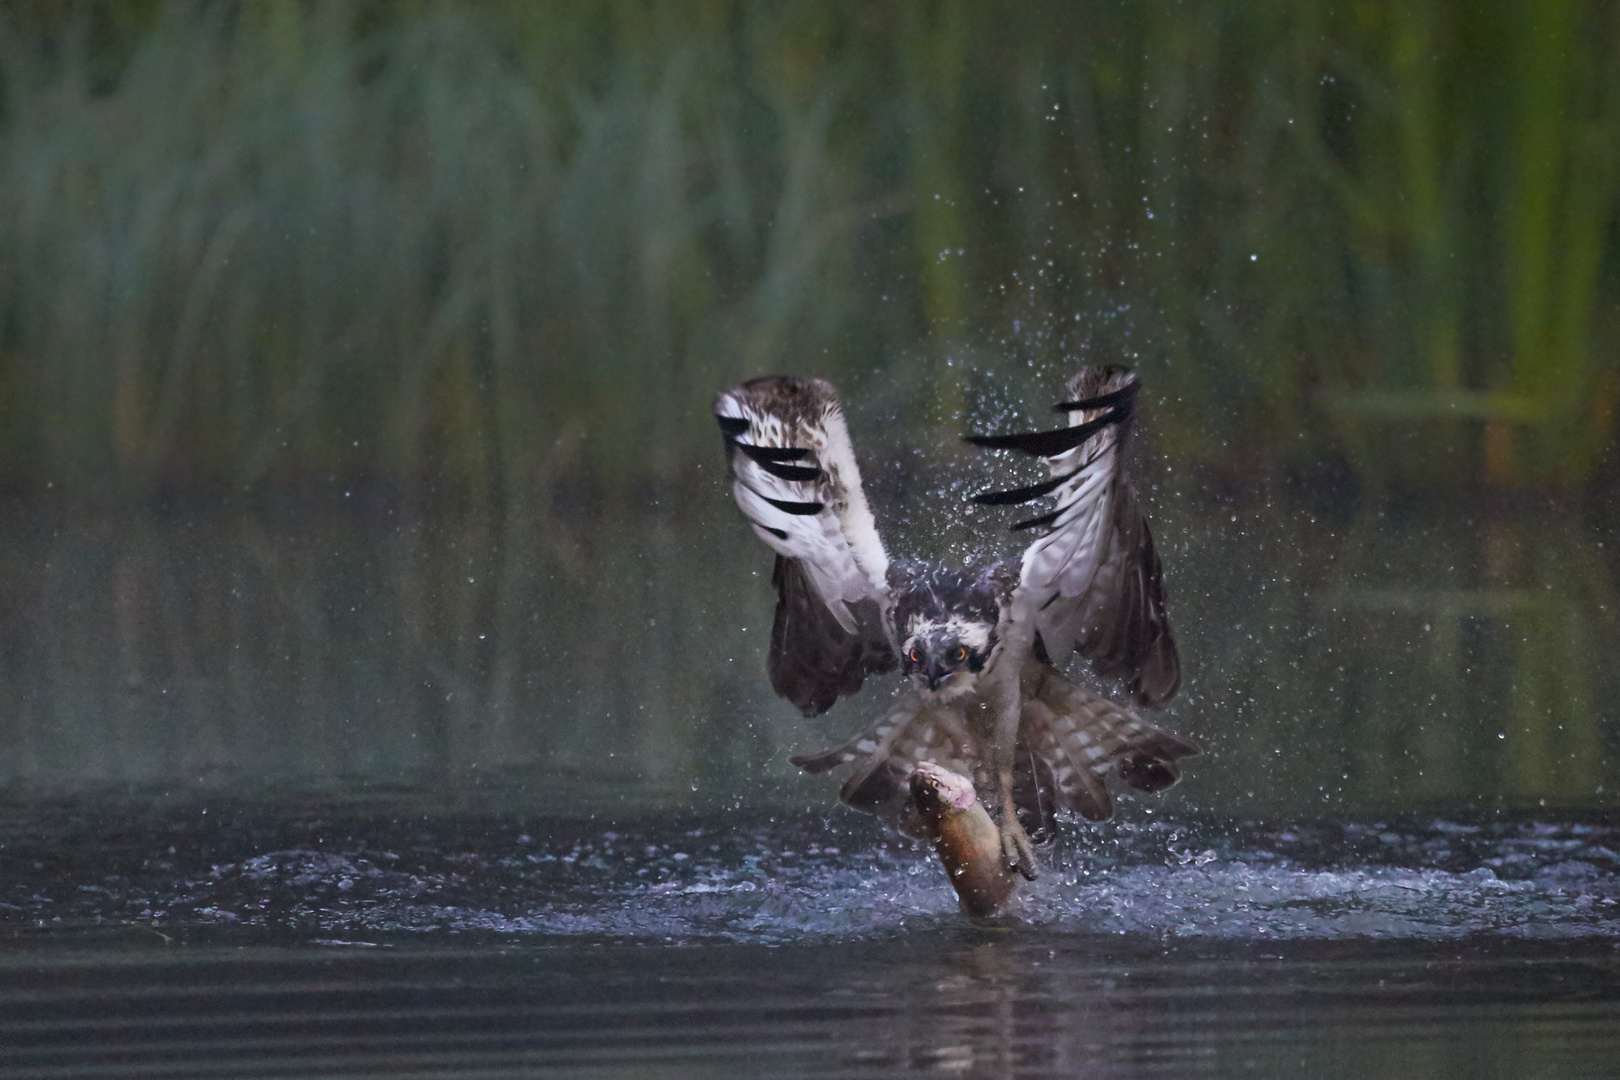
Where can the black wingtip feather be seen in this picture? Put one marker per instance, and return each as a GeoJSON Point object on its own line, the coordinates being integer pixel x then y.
{"type": "Point", "coordinates": [1049, 443]}
{"type": "Point", "coordinates": [1037, 522]}
{"type": "Point", "coordinates": [802, 509]}
{"type": "Point", "coordinates": [763, 454]}
{"type": "Point", "coordinates": [1023, 494]}
{"type": "Point", "coordinates": [790, 472]}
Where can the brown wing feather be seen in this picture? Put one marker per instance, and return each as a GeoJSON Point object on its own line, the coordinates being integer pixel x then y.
{"type": "Point", "coordinates": [1035, 793]}
{"type": "Point", "coordinates": [1121, 623]}
{"type": "Point", "coordinates": [814, 661]}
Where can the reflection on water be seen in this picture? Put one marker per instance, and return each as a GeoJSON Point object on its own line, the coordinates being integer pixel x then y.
{"type": "Point", "coordinates": [1409, 660]}
{"type": "Point", "coordinates": [964, 1003]}
{"type": "Point", "coordinates": [331, 652]}
{"type": "Point", "coordinates": [608, 660]}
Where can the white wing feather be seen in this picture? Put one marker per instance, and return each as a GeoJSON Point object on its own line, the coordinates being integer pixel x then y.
{"type": "Point", "coordinates": [1066, 559]}
{"type": "Point", "coordinates": [1092, 581]}
{"type": "Point", "coordinates": [1083, 460]}
{"type": "Point", "coordinates": [838, 545]}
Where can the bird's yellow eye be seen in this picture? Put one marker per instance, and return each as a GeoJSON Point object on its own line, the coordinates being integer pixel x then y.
{"type": "Point", "coordinates": [959, 655]}
{"type": "Point", "coordinates": [916, 656]}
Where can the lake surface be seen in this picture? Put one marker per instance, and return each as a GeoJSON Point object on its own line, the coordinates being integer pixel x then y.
{"type": "Point", "coordinates": [330, 941]}
{"type": "Point", "coordinates": [1386, 661]}
{"type": "Point", "coordinates": [955, 1003]}
{"type": "Point", "coordinates": [367, 792]}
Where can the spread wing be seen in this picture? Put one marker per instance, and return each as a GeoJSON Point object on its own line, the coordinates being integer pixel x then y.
{"type": "Point", "coordinates": [797, 483]}
{"type": "Point", "coordinates": [1092, 575]}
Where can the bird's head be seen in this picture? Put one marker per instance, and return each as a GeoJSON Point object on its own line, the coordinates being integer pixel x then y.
{"type": "Point", "coordinates": [945, 657]}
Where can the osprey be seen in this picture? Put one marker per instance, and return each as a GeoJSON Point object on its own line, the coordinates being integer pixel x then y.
{"type": "Point", "coordinates": [977, 643]}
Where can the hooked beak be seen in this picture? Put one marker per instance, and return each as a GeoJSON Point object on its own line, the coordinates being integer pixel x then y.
{"type": "Point", "coordinates": [935, 672]}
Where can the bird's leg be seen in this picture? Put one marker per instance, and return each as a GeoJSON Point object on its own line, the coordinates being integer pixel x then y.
{"type": "Point", "coordinates": [1008, 705]}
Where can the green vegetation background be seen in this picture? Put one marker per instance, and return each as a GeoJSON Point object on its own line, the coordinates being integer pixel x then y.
{"type": "Point", "coordinates": [471, 246]}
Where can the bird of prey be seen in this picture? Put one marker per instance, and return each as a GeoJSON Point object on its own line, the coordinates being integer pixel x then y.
{"type": "Point", "coordinates": [977, 643]}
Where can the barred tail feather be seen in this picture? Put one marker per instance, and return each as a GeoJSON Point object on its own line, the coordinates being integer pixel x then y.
{"type": "Point", "coordinates": [874, 741]}
{"type": "Point", "coordinates": [1085, 736]}
{"type": "Point", "coordinates": [887, 752]}
{"type": "Point", "coordinates": [1065, 748]}
{"type": "Point", "coordinates": [1069, 741]}
{"type": "Point", "coordinates": [882, 783]}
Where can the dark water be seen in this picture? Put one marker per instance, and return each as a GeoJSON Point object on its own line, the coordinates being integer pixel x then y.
{"type": "Point", "coordinates": [961, 1003]}
{"type": "Point", "coordinates": [378, 792]}
{"type": "Point", "coordinates": [331, 940]}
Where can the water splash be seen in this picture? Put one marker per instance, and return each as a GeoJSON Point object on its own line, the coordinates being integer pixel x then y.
{"type": "Point", "coordinates": [815, 880]}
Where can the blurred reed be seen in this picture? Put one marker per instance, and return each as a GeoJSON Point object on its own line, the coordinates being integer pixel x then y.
{"type": "Point", "coordinates": [438, 252]}
{"type": "Point", "coordinates": [485, 249]}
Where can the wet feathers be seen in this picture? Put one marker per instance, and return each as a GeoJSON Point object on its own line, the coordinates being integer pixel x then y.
{"type": "Point", "coordinates": [1090, 581]}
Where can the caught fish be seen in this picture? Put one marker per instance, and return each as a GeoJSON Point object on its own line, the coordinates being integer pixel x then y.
{"type": "Point", "coordinates": [945, 808]}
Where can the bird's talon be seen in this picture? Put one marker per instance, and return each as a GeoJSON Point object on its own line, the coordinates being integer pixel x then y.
{"type": "Point", "coordinates": [1019, 852]}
